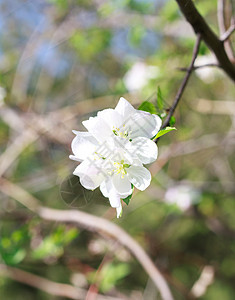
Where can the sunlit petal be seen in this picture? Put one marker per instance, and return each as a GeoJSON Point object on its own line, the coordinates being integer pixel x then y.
{"type": "Point", "coordinates": [139, 176]}
{"type": "Point", "coordinates": [83, 145]}
{"type": "Point", "coordinates": [122, 185]}
{"type": "Point", "coordinates": [145, 149]}
{"type": "Point", "coordinates": [91, 175]}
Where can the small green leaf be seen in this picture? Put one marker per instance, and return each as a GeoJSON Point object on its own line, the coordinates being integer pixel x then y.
{"type": "Point", "coordinates": [148, 106]}
{"type": "Point", "coordinates": [164, 131]}
{"type": "Point", "coordinates": [127, 199]}
{"type": "Point", "coordinates": [172, 121]}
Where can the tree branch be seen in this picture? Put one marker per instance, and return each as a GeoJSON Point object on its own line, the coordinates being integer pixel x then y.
{"type": "Point", "coordinates": [226, 35]}
{"type": "Point", "coordinates": [184, 83]}
{"type": "Point", "coordinates": [91, 223]}
{"type": "Point", "coordinates": [48, 286]}
{"type": "Point", "coordinates": [200, 67]}
{"type": "Point", "coordinates": [208, 36]}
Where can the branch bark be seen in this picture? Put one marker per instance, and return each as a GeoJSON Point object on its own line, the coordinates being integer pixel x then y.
{"type": "Point", "coordinates": [208, 36]}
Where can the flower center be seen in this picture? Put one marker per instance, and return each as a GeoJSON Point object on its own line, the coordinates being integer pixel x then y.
{"type": "Point", "coordinates": [98, 156]}
{"type": "Point", "coordinates": [120, 168]}
{"type": "Point", "coordinates": [121, 132]}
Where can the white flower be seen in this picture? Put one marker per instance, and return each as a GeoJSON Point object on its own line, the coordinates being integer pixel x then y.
{"type": "Point", "coordinates": [139, 75]}
{"type": "Point", "coordinates": [124, 121]}
{"type": "Point", "coordinates": [184, 196]}
{"type": "Point", "coordinates": [113, 151]}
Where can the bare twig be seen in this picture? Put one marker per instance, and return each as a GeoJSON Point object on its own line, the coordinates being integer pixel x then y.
{"type": "Point", "coordinates": [208, 36]}
{"type": "Point", "coordinates": [48, 286]}
{"type": "Point", "coordinates": [226, 35]}
{"type": "Point", "coordinates": [184, 83]}
{"type": "Point", "coordinates": [222, 28]}
{"type": "Point", "coordinates": [92, 223]}
{"type": "Point", "coordinates": [201, 66]}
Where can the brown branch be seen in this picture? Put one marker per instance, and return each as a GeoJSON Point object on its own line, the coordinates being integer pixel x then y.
{"type": "Point", "coordinates": [91, 223]}
{"type": "Point", "coordinates": [208, 36]}
{"type": "Point", "coordinates": [222, 28]}
{"type": "Point", "coordinates": [48, 286]}
{"type": "Point", "coordinates": [184, 83]}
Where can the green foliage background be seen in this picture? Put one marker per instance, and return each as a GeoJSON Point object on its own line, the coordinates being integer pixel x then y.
{"type": "Point", "coordinates": [58, 54]}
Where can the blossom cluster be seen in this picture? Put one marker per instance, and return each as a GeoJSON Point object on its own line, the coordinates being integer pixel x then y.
{"type": "Point", "coordinates": [113, 151]}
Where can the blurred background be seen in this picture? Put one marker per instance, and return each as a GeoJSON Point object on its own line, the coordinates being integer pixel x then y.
{"type": "Point", "coordinates": [62, 61]}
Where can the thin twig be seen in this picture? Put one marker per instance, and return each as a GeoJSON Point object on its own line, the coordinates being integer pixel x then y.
{"type": "Point", "coordinates": [226, 35]}
{"type": "Point", "coordinates": [222, 28]}
{"type": "Point", "coordinates": [200, 66]}
{"type": "Point", "coordinates": [184, 83]}
{"type": "Point", "coordinates": [92, 223]}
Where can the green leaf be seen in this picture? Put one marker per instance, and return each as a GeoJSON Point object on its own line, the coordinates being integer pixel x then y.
{"type": "Point", "coordinates": [164, 131]}
{"type": "Point", "coordinates": [148, 106]}
{"type": "Point", "coordinates": [53, 244]}
{"type": "Point", "coordinates": [172, 121]}
{"type": "Point", "coordinates": [127, 199]}
{"type": "Point", "coordinates": [111, 274]}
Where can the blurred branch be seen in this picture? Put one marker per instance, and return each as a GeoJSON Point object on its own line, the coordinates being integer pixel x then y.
{"type": "Point", "coordinates": [191, 146]}
{"type": "Point", "coordinates": [184, 83]}
{"type": "Point", "coordinates": [208, 36]}
{"type": "Point", "coordinates": [214, 107]}
{"type": "Point", "coordinates": [224, 34]}
{"type": "Point", "coordinates": [91, 223]}
{"type": "Point", "coordinates": [48, 286]}
{"type": "Point", "coordinates": [15, 149]}
{"type": "Point", "coordinates": [94, 223]}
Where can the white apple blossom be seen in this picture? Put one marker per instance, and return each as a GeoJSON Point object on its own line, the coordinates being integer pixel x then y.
{"type": "Point", "coordinates": [139, 75]}
{"type": "Point", "coordinates": [184, 196]}
{"type": "Point", "coordinates": [114, 149]}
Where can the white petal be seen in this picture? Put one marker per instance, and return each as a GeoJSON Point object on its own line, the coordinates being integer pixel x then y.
{"type": "Point", "coordinates": [109, 191]}
{"type": "Point", "coordinates": [158, 125]}
{"type": "Point", "coordinates": [124, 108]}
{"type": "Point", "coordinates": [145, 149]}
{"type": "Point", "coordinates": [83, 145]}
{"type": "Point", "coordinates": [111, 117]}
{"type": "Point", "coordinates": [91, 176]}
{"type": "Point", "coordinates": [106, 187]}
{"type": "Point", "coordinates": [114, 198]}
{"type": "Point", "coordinates": [98, 128]}
{"type": "Point", "coordinates": [142, 124]}
{"type": "Point", "coordinates": [72, 157]}
{"type": "Point", "coordinates": [140, 177]}
{"type": "Point", "coordinates": [122, 185]}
